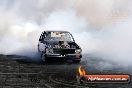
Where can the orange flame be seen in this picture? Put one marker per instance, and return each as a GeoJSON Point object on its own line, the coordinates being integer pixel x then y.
{"type": "Point", "coordinates": [81, 71]}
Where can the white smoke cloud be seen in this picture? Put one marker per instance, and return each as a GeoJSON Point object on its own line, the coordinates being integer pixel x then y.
{"type": "Point", "coordinates": [99, 27]}
{"type": "Point", "coordinates": [116, 42]}
{"type": "Point", "coordinates": [22, 23]}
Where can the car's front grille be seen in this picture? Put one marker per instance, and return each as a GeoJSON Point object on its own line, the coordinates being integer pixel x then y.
{"type": "Point", "coordinates": [64, 51]}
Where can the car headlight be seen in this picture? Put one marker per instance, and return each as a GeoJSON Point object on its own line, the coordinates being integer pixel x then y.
{"type": "Point", "coordinates": [78, 51]}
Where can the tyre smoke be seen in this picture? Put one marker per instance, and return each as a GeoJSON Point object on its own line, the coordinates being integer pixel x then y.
{"type": "Point", "coordinates": [101, 28]}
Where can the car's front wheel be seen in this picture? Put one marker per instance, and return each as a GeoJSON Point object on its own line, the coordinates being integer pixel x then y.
{"type": "Point", "coordinates": [43, 57]}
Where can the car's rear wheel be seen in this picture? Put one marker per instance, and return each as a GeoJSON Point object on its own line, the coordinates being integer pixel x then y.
{"type": "Point", "coordinates": [76, 61]}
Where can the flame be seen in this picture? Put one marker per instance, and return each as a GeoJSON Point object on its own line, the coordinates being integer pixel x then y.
{"type": "Point", "coordinates": [81, 71]}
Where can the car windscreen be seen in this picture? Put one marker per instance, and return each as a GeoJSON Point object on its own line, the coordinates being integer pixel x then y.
{"type": "Point", "coordinates": [59, 36]}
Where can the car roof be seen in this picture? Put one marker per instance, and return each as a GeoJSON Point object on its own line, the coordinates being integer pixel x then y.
{"type": "Point", "coordinates": [56, 31]}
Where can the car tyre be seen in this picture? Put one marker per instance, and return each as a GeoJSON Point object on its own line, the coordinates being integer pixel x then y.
{"type": "Point", "coordinates": [43, 57]}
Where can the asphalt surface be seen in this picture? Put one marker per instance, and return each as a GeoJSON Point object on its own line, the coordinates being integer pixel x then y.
{"type": "Point", "coordinates": [24, 72]}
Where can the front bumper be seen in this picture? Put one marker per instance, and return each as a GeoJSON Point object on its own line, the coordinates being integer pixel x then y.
{"type": "Point", "coordinates": [66, 56]}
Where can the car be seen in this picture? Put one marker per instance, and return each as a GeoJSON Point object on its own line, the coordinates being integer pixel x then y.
{"type": "Point", "coordinates": [59, 45]}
